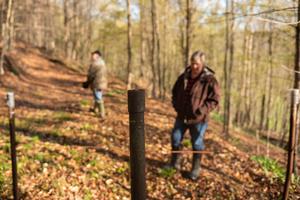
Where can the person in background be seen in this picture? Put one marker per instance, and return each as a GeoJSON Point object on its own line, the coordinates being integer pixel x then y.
{"type": "Point", "coordinates": [195, 94]}
{"type": "Point", "coordinates": [97, 81]}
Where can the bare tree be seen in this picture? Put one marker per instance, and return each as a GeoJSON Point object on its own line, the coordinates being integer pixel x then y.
{"type": "Point", "coordinates": [66, 27]}
{"type": "Point", "coordinates": [189, 4]}
{"type": "Point", "coordinates": [154, 46]}
{"type": "Point", "coordinates": [269, 84]}
{"type": "Point", "coordinates": [228, 63]}
{"type": "Point", "coordinates": [142, 38]}
{"type": "Point", "coordinates": [297, 84]}
{"type": "Point", "coordinates": [129, 51]}
{"type": "Point", "coordinates": [7, 33]}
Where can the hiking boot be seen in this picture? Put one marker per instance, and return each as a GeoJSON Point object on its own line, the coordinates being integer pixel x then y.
{"type": "Point", "coordinates": [175, 161]}
{"type": "Point", "coordinates": [101, 108]}
{"type": "Point", "coordinates": [94, 108]}
{"type": "Point", "coordinates": [194, 174]}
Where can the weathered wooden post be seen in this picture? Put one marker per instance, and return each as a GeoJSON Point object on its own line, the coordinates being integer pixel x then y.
{"type": "Point", "coordinates": [11, 108]}
{"type": "Point", "coordinates": [136, 108]}
{"type": "Point", "coordinates": [291, 148]}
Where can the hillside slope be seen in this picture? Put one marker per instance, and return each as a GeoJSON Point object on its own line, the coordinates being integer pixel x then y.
{"type": "Point", "coordinates": [66, 152]}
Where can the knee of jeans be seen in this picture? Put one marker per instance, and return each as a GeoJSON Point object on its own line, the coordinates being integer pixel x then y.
{"type": "Point", "coordinates": [176, 139]}
{"type": "Point", "coordinates": [98, 98]}
{"type": "Point", "coordinates": [198, 146]}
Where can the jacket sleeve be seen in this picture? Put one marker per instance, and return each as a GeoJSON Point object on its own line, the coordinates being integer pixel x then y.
{"type": "Point", "coordinates": [213, 97]}
{"type": "Point", "coordinates": [175, 92]}
{"type": "Point", "coordinates": [90, 75]}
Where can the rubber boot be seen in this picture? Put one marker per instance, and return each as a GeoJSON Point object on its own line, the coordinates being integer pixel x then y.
{"type": "Point", "coordinates": [94, 109]}
{"type": "Point", "coordinates": [101, 108]}
{"type": "Point", "coordinates": [175, 161]}
{"type": "Point", "coordinates": [194, 174]}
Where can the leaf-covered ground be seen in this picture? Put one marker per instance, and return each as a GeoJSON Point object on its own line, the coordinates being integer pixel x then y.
{"type": "Point", "coordinates": [66, 152]}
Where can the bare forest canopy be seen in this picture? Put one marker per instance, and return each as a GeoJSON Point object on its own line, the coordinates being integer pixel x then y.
{"type": "Point", "coordinates": [249, 44]}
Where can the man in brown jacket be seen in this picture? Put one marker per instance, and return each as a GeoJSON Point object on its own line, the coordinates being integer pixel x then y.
{"type": "Point", "coordinates": [195, 94]}
{"type": "Point", "coordinates": [97, 81]}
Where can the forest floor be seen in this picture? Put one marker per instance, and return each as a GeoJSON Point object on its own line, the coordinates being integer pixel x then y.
{"type": "Point", "coordinates": [66, 152]}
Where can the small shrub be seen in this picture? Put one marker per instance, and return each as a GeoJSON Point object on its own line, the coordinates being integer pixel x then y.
{"type": "Point", "coordinates": [86, 127]}
{"type": "Point", "coordinates": [187, 143]}
{"type": "Point", "coordinates": [35, 139]}
{"type": "Point", "coordinates": [4, 166]}
{"type": "Point", "coordinates": [167, 172]}
{"type": "Point", "coordinates": [93, 162]}
{"type": "Point", "coordinates": [39, 120]}
{"type": "Point", "coordinates": [115, 92]}
{"type": "Point", "coordinates": [217, 117]}
{"type": "Point", "coordinates": [41, 157]}
{"type": "Point", "coordinates": [55, 133]}
{"type": "Point", "coordinates": [5, 148]}
{"type": "Point", "coordinates": [1, 181]}
{"type": "Point", "coordinates": [270, 166]}
{"type": "Point", "coordinates": [62, 116]}
{"type": "Point", "coordinates": [88, 195]}
{"type": "Point", "coordinates": [22, 124]}
{"type": "Point", "coordinates": [84, 103]}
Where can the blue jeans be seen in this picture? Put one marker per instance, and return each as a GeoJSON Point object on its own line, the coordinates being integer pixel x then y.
{"type": "Point", "coordinates": [197, 132]}
{"type": "Point", "coordinates": [97, 95]}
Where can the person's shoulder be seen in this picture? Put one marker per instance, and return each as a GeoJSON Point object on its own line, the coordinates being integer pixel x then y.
{"type": "Point", "coordinates": [181, 76]}
{"type": "Point", "coordinates": [208, 71]}
{"type": "Point", "coordinates": [97, 64]}
{"type": "Point", "coordinates": [185, 72]}
{"type": "Point", "coordinates": [101, 61]}
{"type": "Point", "coordinates": [209, 74]}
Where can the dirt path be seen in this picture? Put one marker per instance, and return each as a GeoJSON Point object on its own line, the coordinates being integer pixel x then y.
{"type": "Point", "coordinates": [65, 152]}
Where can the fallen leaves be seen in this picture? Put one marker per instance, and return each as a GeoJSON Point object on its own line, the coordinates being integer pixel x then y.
{"type": "Point", "coordinates": [65, 152]}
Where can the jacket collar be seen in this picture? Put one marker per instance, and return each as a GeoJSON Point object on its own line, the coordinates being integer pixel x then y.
{"type": "Point", "coordinates": [205, 72]}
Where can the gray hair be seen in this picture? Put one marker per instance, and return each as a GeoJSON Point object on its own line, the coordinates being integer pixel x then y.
{"type": "Point", "coordinates": [198, 55]}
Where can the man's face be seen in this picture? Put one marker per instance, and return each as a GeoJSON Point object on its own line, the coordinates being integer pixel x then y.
{"type": "Point", "coordinates": [95, 57]}
{"type": "Point", "coordinates": [196, 66]}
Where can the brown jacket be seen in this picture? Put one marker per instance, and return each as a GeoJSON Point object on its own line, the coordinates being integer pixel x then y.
{"type": "Point", "coordinates": [96, 77]}
{"type": "Point", "coordinates": [205, 96]}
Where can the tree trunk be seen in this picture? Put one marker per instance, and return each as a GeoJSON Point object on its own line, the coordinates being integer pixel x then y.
{"type": "Point", "coordinates": [142, 39]}
{"type": "Point", "coordinates": [297, 84]}
{"type": "Point", "coordinates": [129, 50]}
{"type": "Point", "coordinates": [165, 51]}
{"type": "Point", "coordinates": [226, 124]}
{"type": "Point", "coordinates": [154, 47]}
{"type": "Point", "coordinates": [66, 29]}
{"type": "Point", "coordinates": [228, 64]}
{"type": "Point", "coordinates": [269, 86]}
{"type": "Point", "coordinates": [269, 79]}
{"type": "Point", "coordinates": [188, 31]}
{"type": "Point", "coordinates": [7, 34]}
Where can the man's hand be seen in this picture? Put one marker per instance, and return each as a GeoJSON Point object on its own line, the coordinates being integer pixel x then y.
{"type": "Point", "coordinates": [198, 111]}
{"type": "Point", "coordinates": [85, 84]}
{"type": "Point", "coordinates": [202, 111]}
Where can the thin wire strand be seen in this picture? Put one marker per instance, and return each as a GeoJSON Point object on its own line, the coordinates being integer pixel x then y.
{"type": "Point", "coordinates": [250, 15]}
{"type": "Point", "coordinates": [290, 70]}
{"type": "Point", "coordinates": [275, 21]}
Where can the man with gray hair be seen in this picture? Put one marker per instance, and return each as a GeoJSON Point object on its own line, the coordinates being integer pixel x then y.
{"type": "Point", "coordinates": [97, 81]}
{"type": "Point", "coordinates": [195, 94]}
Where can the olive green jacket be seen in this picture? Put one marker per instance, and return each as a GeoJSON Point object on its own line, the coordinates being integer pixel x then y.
{"type": "Point", "coordinates": [97, 75]}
